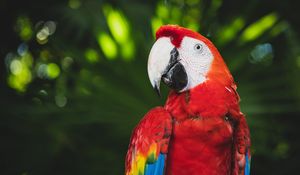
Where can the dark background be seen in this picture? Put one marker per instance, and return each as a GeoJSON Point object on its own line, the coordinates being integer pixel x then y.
{"type": "Point", "coordinates": [74, 79]}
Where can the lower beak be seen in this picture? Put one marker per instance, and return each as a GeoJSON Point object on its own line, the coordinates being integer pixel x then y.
{"type": "Point", "coordinates": [163, 64]}
{"type": "Point", "coordinates": [176, 77]}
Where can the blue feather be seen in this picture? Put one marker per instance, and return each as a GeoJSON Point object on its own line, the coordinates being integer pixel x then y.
{"type": "Point", "coordinates": [247, 166]}
{"type": "Point", "coordinates": [156, 168]}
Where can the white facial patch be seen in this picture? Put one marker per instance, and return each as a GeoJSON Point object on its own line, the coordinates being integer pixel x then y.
{"type": "Point", "coordinates": [196, 58]}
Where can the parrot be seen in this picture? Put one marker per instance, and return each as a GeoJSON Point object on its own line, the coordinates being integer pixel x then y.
{"type": "Point", "coordinates": [200, 130]}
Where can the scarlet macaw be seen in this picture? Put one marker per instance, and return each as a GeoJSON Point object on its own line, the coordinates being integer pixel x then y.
{"type": "Point", "coordinates": [201, 129]}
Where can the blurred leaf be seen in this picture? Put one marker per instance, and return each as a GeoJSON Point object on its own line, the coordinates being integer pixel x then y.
{"type": "Point", "coordinates": [256, 29]}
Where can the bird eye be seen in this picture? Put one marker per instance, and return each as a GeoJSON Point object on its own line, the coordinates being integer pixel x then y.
{"type": "Point", "coordinates": [198, 48]}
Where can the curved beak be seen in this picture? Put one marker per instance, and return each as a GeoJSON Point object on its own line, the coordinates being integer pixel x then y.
{"type": "Point", "coordinates": [163, 64]}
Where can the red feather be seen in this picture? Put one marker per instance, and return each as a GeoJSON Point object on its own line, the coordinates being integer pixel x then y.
{"type": "Point", "coordinates": [209, 129]}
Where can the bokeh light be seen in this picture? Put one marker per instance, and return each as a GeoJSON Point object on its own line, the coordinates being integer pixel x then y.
{"type": "Point", "coordinates": [259, 27]}
{"type": "Point", "coordinates": [262, 53]}
{"type": "Point", "coordinates": [91, 55]}
{"type": "Point", "coordinates": [74, 4]}
{"type": "Point", "coordinates": [61, 100]}
{"type": "Point", "coordinates": [108, 46]}
{"type": "Point", "coordinates": [229, 32]}
{"type": "Point", "coordinates": [53, 70]}
{"type": "Point", "coordinates": [120, 30]}
{"type": "Point", "coordinates": [47, 29]}
{"type": "Point", "coordinates": [24, 28]}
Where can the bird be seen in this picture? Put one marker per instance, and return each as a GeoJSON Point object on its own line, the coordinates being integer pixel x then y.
{"type": "Point", "coordinates": [200, 130]}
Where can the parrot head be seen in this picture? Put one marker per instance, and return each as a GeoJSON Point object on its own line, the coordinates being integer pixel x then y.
{"type": "Point", "coordinates": [183, 59]}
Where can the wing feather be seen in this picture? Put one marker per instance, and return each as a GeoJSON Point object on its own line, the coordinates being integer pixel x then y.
{"type": "Point", "coordinates": [148, 145]}
{"type": "Point", "coordinates": [156, 167]}
{"type": "Point", "coordinates": [242, 147]}
{"type": "Point", "coordinates": [247, 164]}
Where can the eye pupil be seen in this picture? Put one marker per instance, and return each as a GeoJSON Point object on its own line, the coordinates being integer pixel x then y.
{"type": "Point", "coordinates": [198, 47]}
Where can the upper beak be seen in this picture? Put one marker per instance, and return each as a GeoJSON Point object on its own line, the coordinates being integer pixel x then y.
{"type": "Point", "coordinates": [163, 64]}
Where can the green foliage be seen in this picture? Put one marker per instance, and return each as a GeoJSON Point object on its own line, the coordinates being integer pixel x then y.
{"type": "Point", "coordinates": [75, 78]}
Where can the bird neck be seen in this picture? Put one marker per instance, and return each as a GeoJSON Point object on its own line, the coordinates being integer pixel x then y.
{"type": "Point", "coordinates": [209, 99]}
